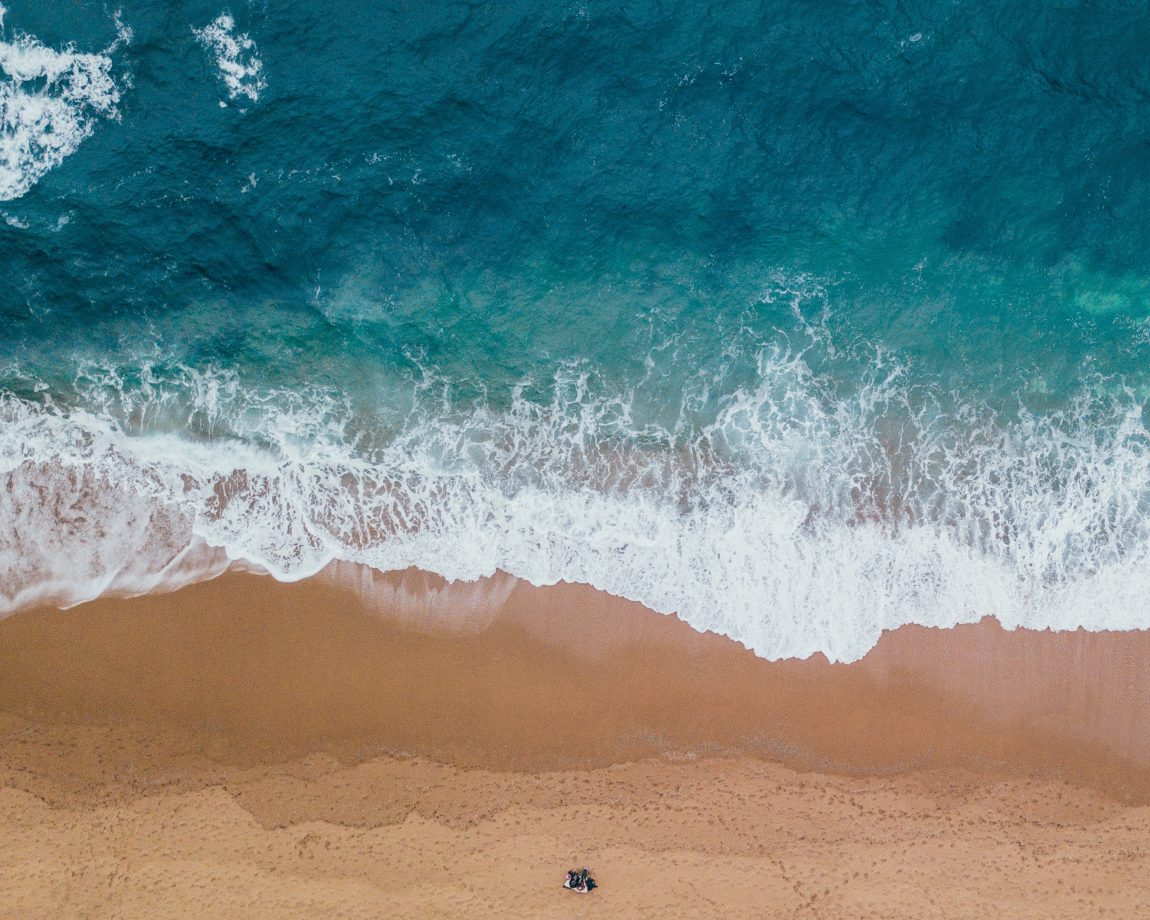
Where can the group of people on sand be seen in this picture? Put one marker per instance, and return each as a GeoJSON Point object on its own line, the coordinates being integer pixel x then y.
{"type": "Point", "coordinates": [579, 880]}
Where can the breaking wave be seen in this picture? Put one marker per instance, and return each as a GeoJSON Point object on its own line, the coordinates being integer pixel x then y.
{"type": "Point", "coordinates": [798, 518]}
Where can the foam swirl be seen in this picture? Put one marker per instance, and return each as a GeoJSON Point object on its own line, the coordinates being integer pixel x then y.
{"type": "Point", "coordinates": [236, 57]}
{"type": "Point", "coordinates": [50, 102]}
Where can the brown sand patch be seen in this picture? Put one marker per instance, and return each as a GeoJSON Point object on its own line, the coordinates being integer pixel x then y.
{"type": "Point", "coordinates": [182, 835]}
{"type": "Point", "coordinates": [567, 676]}
{"type": "Point", "coordinates": [237, 749]}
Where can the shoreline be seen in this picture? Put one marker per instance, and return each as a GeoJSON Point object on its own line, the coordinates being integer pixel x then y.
{"type": "Point", "coordinates": [502, 674]}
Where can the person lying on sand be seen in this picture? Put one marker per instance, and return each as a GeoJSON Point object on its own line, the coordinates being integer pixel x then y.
{"type": "Point", "coordinates": [580, 881]}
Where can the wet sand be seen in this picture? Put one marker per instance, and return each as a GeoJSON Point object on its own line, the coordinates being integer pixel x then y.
{"type": "Point", "coordinates": [244, 748]}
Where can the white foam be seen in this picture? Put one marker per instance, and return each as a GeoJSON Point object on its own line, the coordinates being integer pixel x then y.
{"type": "Point", "coordinates": [236, 57]}
{"type": "Point", "coordinates": [801, 519]}
{"type": "Point", "coordinates": [50, 102]}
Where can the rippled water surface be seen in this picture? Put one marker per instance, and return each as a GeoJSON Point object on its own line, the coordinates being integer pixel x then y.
{"type": "Point", "coordinates": [799, 320]}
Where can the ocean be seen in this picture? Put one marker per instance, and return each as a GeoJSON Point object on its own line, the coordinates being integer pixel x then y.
{"type": "Point", "coordinates": [801, 321]}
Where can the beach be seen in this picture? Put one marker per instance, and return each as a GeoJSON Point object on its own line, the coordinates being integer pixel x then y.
{"type": "Point", "coordinates": [248, 748]}
{"type": "Point", "coordinates": [443, 445]}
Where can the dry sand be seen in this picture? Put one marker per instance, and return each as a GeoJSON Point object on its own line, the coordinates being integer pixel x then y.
{"type": "Point", "coordinates": [243, 749]}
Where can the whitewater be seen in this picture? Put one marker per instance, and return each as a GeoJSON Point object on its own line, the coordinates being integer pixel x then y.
{"type": "Point", "coordinates": [50, 102]}
{"type": "Point", "coordinates": [793, 522]}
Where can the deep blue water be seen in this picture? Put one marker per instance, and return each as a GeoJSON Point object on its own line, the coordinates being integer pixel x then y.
{"type": "Point", "coordinates": [801, 320]}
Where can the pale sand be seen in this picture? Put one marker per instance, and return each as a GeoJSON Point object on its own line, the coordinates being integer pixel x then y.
{"type": "Point", "coordinates": [245, 749]}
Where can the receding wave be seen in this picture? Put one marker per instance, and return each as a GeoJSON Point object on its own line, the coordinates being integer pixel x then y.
{"type": "Point", "coordinates": [794, 517]}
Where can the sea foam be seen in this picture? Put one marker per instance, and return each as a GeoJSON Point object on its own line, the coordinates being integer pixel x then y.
{"type": "Point", "coordinates": [50, 102]}
{"type": "Point", "coordinates": [798, 520]}
{"type": "Point", "coordinates": [235, 56]}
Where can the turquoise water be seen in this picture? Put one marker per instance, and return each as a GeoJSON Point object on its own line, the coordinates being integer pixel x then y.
{"type": "Point", "coordinates": [799, 320]}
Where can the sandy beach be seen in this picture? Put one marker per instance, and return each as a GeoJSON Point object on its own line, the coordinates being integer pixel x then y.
{"type": "Point", "coordinates": [245, 748]}
{"type": "Point", "coordinates": [445, 445]}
